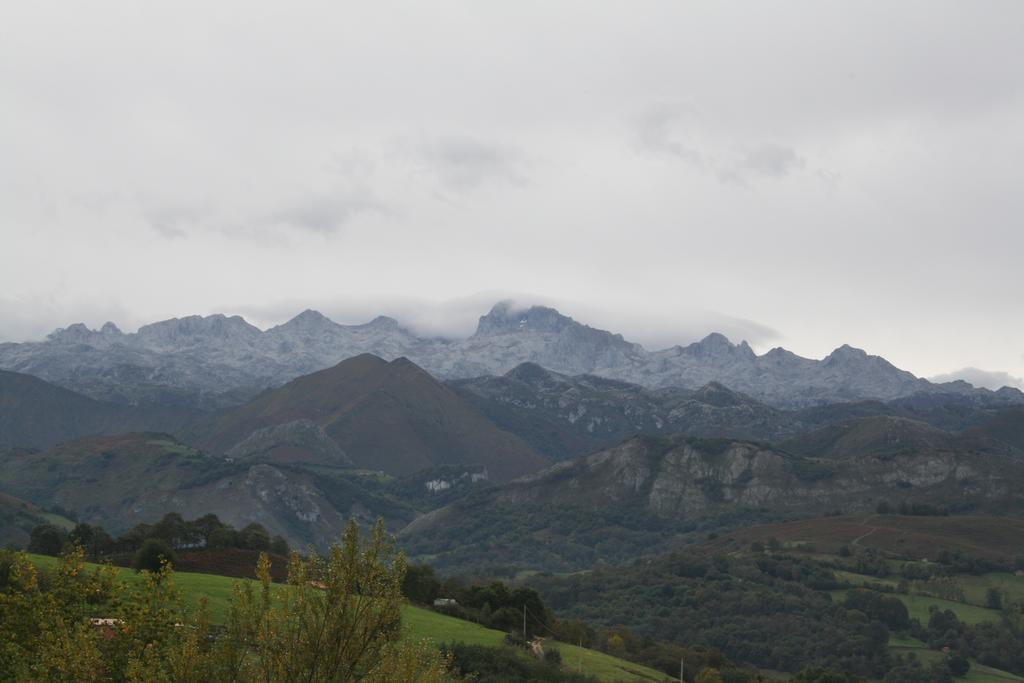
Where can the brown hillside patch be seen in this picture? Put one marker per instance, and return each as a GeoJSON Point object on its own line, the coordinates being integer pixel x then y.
{"type": "Point", "coordinates": [994, 538]}
{"type": "Point", "coordinates": [234, 562]}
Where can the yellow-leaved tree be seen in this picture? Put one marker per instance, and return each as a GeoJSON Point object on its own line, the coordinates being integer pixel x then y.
{"type": "Point", "coordinates": [337, 619]}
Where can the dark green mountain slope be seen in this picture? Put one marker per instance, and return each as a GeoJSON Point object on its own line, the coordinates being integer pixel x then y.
{"type": "Point", "coordinates": [887, 438]}
{"type": "Point", "coordinates": [120, 481]}
{"type": "Point", "coordinates": [37, 414]}
{"type": "Point", "coordinates": [17, 519]}
{"type": "Point", "coordinates": [566, 416]}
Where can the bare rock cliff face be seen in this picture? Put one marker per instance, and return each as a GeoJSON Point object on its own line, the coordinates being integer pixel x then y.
{"type": "Point", "coordinates": [682, 479]}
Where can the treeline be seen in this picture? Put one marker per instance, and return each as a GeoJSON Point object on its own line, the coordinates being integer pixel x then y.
{"type": "Point", "coordinates": [771, 612]}
{"type": "Point", "coordinates": [493, 604]}
{"type": "Point", "coordinates": [172, 533]}
{"type": "Point", "coordinates": [912, 509]}
{"type": "Point", "coordinates": [872, 562]}
{"type": "Point", "coordinates": [500, 606]}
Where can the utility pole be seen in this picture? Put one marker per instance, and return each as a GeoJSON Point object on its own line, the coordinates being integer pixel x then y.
{"type": "Point", "coordinates": [524, 622]}
{"type": "Point", "coordinates": [682, 665]}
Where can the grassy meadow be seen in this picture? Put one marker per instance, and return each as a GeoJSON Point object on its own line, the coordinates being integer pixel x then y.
{"type": "Point", "coordinates": [419, 624]}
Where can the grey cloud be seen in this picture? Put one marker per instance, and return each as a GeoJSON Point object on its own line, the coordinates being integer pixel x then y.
{"type": "Point", "coordinates": [772, 160]}
{"type": "Point", "coordinates": [324, 214]}
{"type": "Point", "coordinates": [457, 318]}
{"type": "Point", "coordinates": [33, 317]}
{"type": "Point", "coordinates": [664, 160]}
{"type": "Point", "coordinates": [988, 379]}
{"type": "Point", "coordinates": [466, 163]}
{"type": "Point", "coordinates": [658, 130]}
{"type": "Point", "coordinates": [680, 132]}
{"type": "Point", "coordinates": [174, 222]}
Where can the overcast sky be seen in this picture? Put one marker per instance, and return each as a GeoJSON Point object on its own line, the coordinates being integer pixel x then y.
{"type": "Point", "coordinates": [796, 174]}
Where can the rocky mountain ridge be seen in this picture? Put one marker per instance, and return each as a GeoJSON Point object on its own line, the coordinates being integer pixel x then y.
{"type": "Point", "coordinates": [647, 493]}
{"type": "Point", "coordinates": [219, 360]}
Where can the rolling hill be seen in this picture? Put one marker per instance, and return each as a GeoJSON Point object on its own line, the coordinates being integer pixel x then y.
{"type": "Point", "coordinates": [37, 414]}
{"type": "Point", "coordinates": [886, 437]}
{"type": "Point", "coordinates": [914, 537]}
{"type": "Point", "coordinates": [566, 416]}
{"type": "Point", "coordinates": [17, 519]}
{"type": "Point", "coordinates": [418, 623]}
{"type": "Point", "coordinates": [387, 416]}
{"type": "Point", "coordinates": [120, 481]}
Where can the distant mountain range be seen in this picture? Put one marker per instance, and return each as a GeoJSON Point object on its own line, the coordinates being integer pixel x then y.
{"type": "Point", "coordinates": [369, 437]}
{"type": "Point", "coordinates": [218, 361]}
{"type": "Point", "coordinates": [566, 416]}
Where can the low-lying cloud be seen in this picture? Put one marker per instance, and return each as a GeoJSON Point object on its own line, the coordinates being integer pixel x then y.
{"type": "Point", "coordinates": [457, 318]}
{"type": "Point", "coordinates": [986, 379]}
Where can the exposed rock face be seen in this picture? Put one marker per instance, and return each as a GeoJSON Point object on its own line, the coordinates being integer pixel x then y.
{"type": "Point", "coordinates": [685, 480]}
{"type": "Point", "coordinates": [224, 360]}
{"type": "Point", "coordinates": [120, 481]}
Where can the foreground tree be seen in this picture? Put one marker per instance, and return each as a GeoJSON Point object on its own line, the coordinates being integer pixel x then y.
{"type": "Point", "coordinates": [337, 619]}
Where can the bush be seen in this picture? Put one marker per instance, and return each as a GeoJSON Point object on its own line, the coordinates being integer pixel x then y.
{"type": "Point", "coordinates": [152, 554]}
{"type": "Point", "coordinates": [501, 665]}
{"type": "Point", "coordinates": [958, 665]}
{"type": "Point", "coordinates": [46, 539]}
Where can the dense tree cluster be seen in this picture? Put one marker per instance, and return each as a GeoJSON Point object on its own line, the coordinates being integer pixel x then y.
{"type": "Point", "coordinates": [498, 605]}
{"type": "Point", "coordinates": [770, 612]}
{"type": "Point", "coordinates": [999, 644]}
{"type": "Point", "coordinates": [912, 509]}
{"type": "Point", "coordinates": [172, 531]}
{"type": "Point", "coordinates": [503, 665]}
{"type": "Point", "coordinates": [494, 604]}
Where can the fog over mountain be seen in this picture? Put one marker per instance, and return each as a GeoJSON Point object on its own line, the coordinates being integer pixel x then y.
{"type": "Point", "coordinates": [222, 360]}
{"type": "Point", "coordinates": [832, 172]}
{"type": "Point", "coordinates": [988, 379]}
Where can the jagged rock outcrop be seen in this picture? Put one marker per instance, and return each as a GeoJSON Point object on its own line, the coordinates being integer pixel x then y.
{"type": "Point", "coordinates": [687, 478]}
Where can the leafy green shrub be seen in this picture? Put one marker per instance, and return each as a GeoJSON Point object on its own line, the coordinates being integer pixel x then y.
{"type": "Point", "coordinates": [151, 556]}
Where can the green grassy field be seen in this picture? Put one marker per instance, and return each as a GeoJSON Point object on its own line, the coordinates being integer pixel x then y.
{"type": "Point", "coordinates": [419, 624]}
{"type": "Point", "coordinates": [976, 587]}
{"type": "Point", "coordinates": [978, 673]}
{"type": "Point", "coordinates": [918, 607]}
